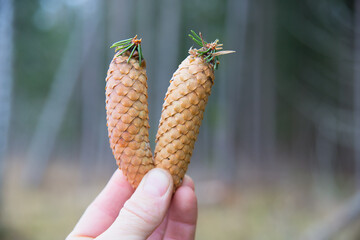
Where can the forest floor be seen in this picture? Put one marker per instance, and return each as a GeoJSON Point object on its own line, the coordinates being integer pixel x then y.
{"type": "Point", "coordinates": [280, 207]}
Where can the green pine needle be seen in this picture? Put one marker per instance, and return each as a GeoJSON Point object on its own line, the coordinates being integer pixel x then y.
{"type": "Point", "coordinates": [209, 60]}
{"type": "Point", "coordinates": [195, 40]}
{"type": "Point", "coordinates": [122, 47]}
{"type": "Point", "coordinates": [121, 42]}
{"type": "Point", "coordinates": [140, 54]}
{"type": "Point", "coordinates": [208, 56]}
{"type": "Point", "coordinates": [126, 49]}
{"type": "Point", "coordinates": [204, 52]}
{"type": "Point", "coordinates": [198, 37]}
{"type": "Point", "coordinates": [216, 64]}
{"type": "Point", "coordinates": [195, 35]}
{"type": "Point", "coordinates": [131, 54]}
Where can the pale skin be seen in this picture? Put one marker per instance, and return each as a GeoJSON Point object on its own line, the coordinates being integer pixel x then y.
{"type": "Point", "coordinates": [151, 212]}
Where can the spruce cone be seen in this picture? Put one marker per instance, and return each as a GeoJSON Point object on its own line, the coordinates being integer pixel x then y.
{"type": "Point", "coordinates": [127, 116]}
{"type": "Point", "coordinates": [183, 109]}
{"type": "Point", "coordinates": [182, 114]}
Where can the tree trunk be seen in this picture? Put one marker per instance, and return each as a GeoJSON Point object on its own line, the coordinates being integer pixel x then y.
{"type": "Point", "coordinates": [146, 25]}
{"type": "Point", "coordinates": [268, 95]}
{"type": "Point", "coordinates": [230, 87]}
{"type": "Point", "coordinates": [357, 93]}
{"type": "Point", "coordinates": [92, 94]}
{"type": "Point", "coordinates": [53, 113]}
{"type": "Point", "coordinates": [166, 60]}
{"type": "Point", "coordinates": [6, 78]}
{"type": "Point", "coordinates": [325, 152]}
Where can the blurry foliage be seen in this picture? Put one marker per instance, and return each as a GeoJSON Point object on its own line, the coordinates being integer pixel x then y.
{"type": "Point", "coordinates": [10, 234]}
{"type": "Point", "coordinates": [313, 57]}
{"type": "Point", "coordinates": [38, 52]}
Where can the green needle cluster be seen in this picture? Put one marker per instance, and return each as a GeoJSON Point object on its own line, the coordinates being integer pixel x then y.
{"type": "Point", "coordinates": [130, 44]}
{"type": "Point", "coordinates": [207, 49]}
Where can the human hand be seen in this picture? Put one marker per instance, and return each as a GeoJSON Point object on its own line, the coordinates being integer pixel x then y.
{"type": "Point", "coordinates": [148, 213]}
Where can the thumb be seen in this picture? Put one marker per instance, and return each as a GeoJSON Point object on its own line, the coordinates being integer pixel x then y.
{"type": "Point", "coordinates": [145, 210]}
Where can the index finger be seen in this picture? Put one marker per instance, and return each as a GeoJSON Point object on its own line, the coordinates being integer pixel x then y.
{"type": "Point", "coordinates": [102, 212]}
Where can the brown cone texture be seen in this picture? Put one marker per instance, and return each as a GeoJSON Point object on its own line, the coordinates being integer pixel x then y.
{"type": "Point", "coordinates": [181, 116]}
{"type": "Point", "coordinates": [128, 117]}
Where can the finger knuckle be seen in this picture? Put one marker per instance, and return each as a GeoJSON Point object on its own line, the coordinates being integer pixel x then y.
{"type": "Point", "coordinates": [141, 211]}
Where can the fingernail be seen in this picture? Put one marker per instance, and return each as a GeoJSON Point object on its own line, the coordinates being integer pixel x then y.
{"type": "Point", "coordinates": [156, 182]}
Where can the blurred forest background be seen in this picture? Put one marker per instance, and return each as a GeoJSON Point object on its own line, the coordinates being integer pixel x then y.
{"type": "Point", "coordinates": [278, 155]}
